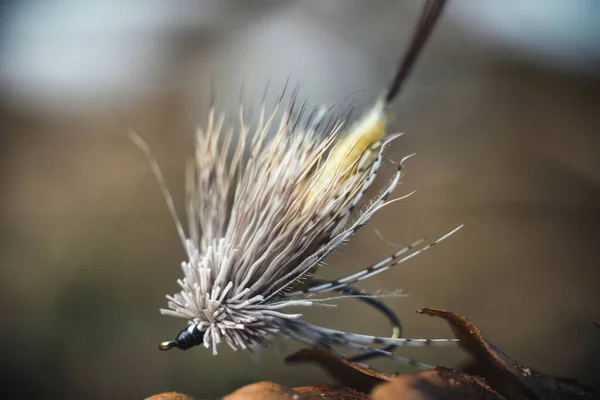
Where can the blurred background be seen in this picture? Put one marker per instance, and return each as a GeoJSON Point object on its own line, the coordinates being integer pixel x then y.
{"type": "Point", "coordinates": [502, 109]}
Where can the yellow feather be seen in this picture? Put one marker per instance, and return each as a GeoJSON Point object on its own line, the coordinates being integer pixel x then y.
{"type": "Point", "coordinates": [352, 151]}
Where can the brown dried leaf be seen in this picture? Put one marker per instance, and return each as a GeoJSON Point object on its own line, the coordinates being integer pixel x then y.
{"type": "Point", "coordinates": [506, 376]}
{"type": "Point", "coordinates": [273, 391]}
{"type": "Point", "coordinates": [171, 396]}
{"type": "Point", "coordinates": [342, 371]}
{"type": "Point", "coordinates": [439, 383]}
{"type": "Point", "coordinates": [330, 392]}
{"type": "Point", "coordinates": [262, 391]}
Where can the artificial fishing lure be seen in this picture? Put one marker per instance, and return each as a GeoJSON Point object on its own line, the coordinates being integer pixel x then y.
{"type": "Point", "coordinates": [292, 199]}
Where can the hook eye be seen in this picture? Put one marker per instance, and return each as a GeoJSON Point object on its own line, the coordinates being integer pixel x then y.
{"type": "Point", "coordinates": [164, 346]}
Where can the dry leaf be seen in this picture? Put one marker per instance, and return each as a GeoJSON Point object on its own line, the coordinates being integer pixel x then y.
{"type": "Point", "coordinates": [262, 391]}
{"type": "Point", "coordinates": [171, 396]}
{"type": "Point", "coordinates": [342, 371]}
{"type": "Point", "coordinates": [439, 383]}
{"type": "Point", "coordinates": [273, 391]}
{"type": "Point", "coordinates": [435, 384]}
{"type": "Point", "coordinates": [330, 392]}
{"type": "Point", "coordinates": [506, 376]}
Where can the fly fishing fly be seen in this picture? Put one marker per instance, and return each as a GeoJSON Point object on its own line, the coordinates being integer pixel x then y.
{"type": "Point", "coordinates": [294, 201]}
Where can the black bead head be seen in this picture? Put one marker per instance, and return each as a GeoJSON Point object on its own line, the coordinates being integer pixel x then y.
{"type": "Point", "coordinates": [187, 338]}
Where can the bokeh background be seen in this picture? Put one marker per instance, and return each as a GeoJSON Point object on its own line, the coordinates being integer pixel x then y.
{"type": "Point", "coordinates": [503, 111]}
